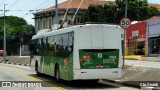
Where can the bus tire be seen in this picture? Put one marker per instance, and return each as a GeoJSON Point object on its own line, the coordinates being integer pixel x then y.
{"type": "Point", "coordinates": [36, 69]}
{"type": "Point", "coordinates": [57, 74]}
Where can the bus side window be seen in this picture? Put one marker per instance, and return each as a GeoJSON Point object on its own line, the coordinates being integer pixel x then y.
{"type": "Point", "coordinates": [71, 39]}
{"type": "Point", "coordinates": [38, 47]}
{"type": "Point", "coordinates": [65, 44]}
{"type": "Point", "coordinates": [31, 48]}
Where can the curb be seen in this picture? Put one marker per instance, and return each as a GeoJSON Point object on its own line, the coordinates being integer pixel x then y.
{"type": "Point", "coordinates": [130, 85]}
{"type": "Point", "coordinates": [17, 64]}
{"type": "Point", "coordinates": [132, 58]}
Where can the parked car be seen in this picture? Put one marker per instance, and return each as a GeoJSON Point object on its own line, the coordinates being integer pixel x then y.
{"type": "Point", "coordinates": [139, 51]}
{"type": "Point", "coordinates": [2, 52]}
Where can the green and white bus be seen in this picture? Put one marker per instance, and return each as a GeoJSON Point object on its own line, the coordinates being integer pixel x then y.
{"type": "Point", "coordinates": [82, 52]}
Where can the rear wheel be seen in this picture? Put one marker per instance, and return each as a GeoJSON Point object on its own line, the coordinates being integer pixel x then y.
{"type": "Point", "coordinates": [36, 69]}
{"type": "Point", "coordinates": [57, 74]}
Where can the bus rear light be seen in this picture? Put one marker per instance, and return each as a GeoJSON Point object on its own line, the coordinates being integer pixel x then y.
{"type": "Point", "coordinates": [101, 66]}
{"type": "Point", "coordinates": [83, 57]}
{"type": "Point", "coordinates": [97, 66]}
{"type": "Point", "coordinates": [86, 57]}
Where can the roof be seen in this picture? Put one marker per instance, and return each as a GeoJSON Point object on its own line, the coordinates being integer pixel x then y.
{"type": "Point", "coordinates": [75, 3]}
{"type": "Point", "coordinates": [153, 20]}
{"type": "Point", "coordinates": [155, 5]}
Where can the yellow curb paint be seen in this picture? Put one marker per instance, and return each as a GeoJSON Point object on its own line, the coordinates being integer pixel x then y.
{"type": "Point", "coordinates": [33, 78]}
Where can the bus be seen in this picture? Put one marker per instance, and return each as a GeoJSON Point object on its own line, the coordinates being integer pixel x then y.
{"type": "Point", "coordinates": [81, 52]}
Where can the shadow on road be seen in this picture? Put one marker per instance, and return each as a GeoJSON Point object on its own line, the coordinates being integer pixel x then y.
{"type": "Point", "coordinates": [78, 84]}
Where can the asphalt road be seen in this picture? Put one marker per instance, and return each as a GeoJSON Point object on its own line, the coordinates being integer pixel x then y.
{"type": "Point", "coordinates": [142, 63]}
{"type": "Point", "coordinates": [23, 78]}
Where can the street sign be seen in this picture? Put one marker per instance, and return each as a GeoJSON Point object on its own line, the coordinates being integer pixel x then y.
{"type": "Point", "coordinates": [125, 23]}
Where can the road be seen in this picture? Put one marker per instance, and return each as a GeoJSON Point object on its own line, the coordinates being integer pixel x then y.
{"type": "Point", "coordinates": [27, 79]}
{"type": "Point", "coordinates": [142, 63]}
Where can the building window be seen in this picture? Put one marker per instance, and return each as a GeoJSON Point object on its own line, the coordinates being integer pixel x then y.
{"type": "Point", "coordinates": [136, 46]}
{"type": "Point", "coordinates": [44, 24]}
{"type": "Point", "coordinates": [78, 19]}
{"type": "Point", "coordinates": [39, 25]}
{"type": "Point", "coordinates": [135, 33]}
{"type": "Point", "coordinates": [154, 45]}
{"type": "Point", "coordinates": [50, 23]}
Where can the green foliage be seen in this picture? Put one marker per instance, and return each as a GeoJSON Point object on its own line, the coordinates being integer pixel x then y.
{"type": "Point", "coordinates": [112, 13]}
{"type": "Point", "coordinates": [152, 11]}
{"type": "Point", "coordinates": [95, 13]}
{"type": "Point", "coordinates": [14, 25]}
{"type": "Point", "coordinates": [16, 28]}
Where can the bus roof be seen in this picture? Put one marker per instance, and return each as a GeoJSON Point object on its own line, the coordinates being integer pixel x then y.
{"type": "Point", "coordinates": [70, 29]}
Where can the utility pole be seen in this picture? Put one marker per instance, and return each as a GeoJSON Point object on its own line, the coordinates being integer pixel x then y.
{"type": "Point", "coordinates": [56, 14]}
{"type": "Point", "coordinates": [126, 8]}
{"type": "Point", "coordinates": [4, 41]}
{"type": "Point", "coordinates": [124, 36]}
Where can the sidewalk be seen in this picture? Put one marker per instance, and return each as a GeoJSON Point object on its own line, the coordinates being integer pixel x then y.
{"type": "Point", "coordinates": [20, 60]}
{"type": "Point", "coordinates": [142, 58]}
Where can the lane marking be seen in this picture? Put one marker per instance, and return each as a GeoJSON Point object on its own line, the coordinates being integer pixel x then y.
{"type": "Point", "coordinates": [33, 78]}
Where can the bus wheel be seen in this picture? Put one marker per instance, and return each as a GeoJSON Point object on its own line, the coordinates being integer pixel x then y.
{"type": "Point", "coordinates": [36, 68]}
{"type": "Point", "coordinates": [57, 74]}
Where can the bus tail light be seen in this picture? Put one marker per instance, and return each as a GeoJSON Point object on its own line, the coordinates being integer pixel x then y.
{"type": "Point", "coordinates": [86, 57]}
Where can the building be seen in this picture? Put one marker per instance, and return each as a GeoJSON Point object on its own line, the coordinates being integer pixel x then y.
{"type": "Point", "coordinates": [153, 34]}
{"type": "Point", "coordinates": [143, 38]}
{"type": "Point", "coordinates": [45, 19]}
{"type": "Point", "coordinates": [136, 39]}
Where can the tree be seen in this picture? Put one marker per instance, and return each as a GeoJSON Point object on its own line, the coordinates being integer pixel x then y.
{"type": "Point", "coordinates": [27, 35]}
{"type": "Point", "coordinates": [138, 10]}
{"type": "Point", "coordinates": [16, 28]}
{"type": "Point", "coordinates": [153, 11]}
{"type": "Point", "coordinates": [110, 12]}
{"type": "Point", "coordinates": [99, 13]}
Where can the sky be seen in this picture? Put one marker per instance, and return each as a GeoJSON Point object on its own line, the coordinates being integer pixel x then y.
{"type": "Point", "coordinates": [26, 8]}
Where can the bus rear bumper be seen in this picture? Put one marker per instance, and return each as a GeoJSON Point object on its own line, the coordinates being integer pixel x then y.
{"type": "Point", "coordinates": [87, 74]}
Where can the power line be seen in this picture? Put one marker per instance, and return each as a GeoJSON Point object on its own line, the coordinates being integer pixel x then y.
{"type": "Point", "coordinates": [35, 8]}
{"type": "Point", "coordinates": [10, 7]}
{"type": "Point", "coordinates": [2, 2]}
{"type": "Point", "coordinates": [30, 11]}
{"type": "Point", "coordinates": [13, 4]}
{"type": "Point", "coordinates": [43, 4]}
{"type": "Point", "coordinates": [49, 3]}
{"type": "Point", "coordinates": [39, 6]}
{"type": "Point", "coordinates": [17, 10]}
